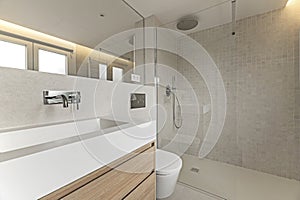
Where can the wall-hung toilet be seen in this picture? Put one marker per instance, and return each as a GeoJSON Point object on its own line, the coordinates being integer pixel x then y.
{"type": "Point", "coordinates": [168, 166]}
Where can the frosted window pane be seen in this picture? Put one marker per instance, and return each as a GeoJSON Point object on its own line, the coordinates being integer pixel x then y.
{"type": "Point", "coordinates": [117, 74]}
{"type": "Point", "coordinates": [52, 62]}
{"type": "Point", "coordinates": [12, 55]}
{"type": "Point", "coordinates": [103, 71]}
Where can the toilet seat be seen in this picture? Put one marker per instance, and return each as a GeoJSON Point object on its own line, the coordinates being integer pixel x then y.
{"type": "Point", "coordinates": [167, 162]}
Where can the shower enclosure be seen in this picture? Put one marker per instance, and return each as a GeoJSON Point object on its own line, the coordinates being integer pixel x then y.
{"type": "Point", "coordinates": [228, 98]}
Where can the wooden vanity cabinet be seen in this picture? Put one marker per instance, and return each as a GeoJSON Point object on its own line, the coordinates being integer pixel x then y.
{"type": "Point", "coordinates": [130, 177]}
{"type": "Point", "coordinates": [145, 190]}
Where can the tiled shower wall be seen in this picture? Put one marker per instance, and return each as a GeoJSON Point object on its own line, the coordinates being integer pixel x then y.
{"type": "Point", "coordinates": [260, 69]}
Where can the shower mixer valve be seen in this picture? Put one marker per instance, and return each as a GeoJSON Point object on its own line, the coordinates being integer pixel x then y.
{"type": "Point", "coordinates": [168, 90]}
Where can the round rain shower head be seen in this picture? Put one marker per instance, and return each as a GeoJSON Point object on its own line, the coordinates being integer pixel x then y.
{"type": "Point", "coordinates": [186, 24]}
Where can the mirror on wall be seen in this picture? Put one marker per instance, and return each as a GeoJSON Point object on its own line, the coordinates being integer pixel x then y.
{"type": "Point", "coordinates": [121, 59]}
{"type": "Point", "coordinates": [66, 37]}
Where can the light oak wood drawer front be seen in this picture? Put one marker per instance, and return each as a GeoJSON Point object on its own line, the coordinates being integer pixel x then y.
{"type": "Point", "coordinates": [68, 189]}
{"type": "Point", "coordinates": [117, 183]}
{"type": "Point", "coordinates": [145, 191]}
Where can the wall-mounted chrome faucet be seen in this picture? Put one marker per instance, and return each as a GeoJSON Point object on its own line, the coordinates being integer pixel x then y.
{"type": "Point", "coordinates": [62, 97]}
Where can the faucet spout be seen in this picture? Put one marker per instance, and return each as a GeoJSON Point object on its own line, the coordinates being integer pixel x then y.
{"type": "Point", "coordinates": [65, 101]}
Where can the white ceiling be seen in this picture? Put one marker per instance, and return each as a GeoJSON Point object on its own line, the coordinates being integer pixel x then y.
{"type": "Point", "coordinates": [74, 20]}
{"type": "Point", "coordinates": [209, 15]}
{"type": "Point", "coordinates": [78, 20]}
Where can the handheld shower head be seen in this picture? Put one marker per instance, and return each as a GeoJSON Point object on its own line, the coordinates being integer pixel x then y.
{"type": "Point", "coordinates": [177, 121]}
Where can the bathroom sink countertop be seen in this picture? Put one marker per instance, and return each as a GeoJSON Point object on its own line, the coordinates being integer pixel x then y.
{"type": "Point", "coordinates": [36, 175]}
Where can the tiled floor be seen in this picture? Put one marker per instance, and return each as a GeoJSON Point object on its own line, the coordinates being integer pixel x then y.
{"type": "Point", "coordinates": [184, 192]}
{"type": "Point", "coordinates": [231, 182]}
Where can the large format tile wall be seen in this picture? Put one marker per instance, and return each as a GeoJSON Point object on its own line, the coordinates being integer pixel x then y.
{"type": "Point", "coordinates": [260, 68]}
{"type": "Point", "coordinates": [22, 99]}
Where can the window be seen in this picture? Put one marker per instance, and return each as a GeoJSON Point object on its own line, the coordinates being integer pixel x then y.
{"type": "Point", "coordinates": [103, 71]}
{"type": "Point", "coordinates": [51, 60]}
{"type": "Point", "coordinates": [12, 55]}
{"type": "Point", "coordinates": [14, 52]}
{"type": "Point", "coordinates": [25, 53]}
{"type": "Point", "coordinates": [117, 74]}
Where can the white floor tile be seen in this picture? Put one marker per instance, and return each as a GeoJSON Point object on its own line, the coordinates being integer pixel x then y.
{"type": "Point", "coordinates": [237, 183]}
{"type": "Point", "coordinates": [183, 192]}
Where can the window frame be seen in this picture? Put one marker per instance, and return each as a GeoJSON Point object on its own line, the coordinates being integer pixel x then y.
{"type": "Point", "coordinates": [69, 58]}
{"type": "Point", "coordinates": [28, 46]}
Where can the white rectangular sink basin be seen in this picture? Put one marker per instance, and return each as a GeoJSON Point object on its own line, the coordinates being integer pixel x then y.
{"type": "Point", "coordinates": [107, 123]}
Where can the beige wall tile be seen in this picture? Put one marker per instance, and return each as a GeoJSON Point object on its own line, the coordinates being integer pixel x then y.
{"type": "Point", "coordinates": [260, 67]}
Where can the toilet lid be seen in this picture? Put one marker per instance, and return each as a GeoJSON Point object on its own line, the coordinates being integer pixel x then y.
{"type": "Point", "coordinates": [167, 162]}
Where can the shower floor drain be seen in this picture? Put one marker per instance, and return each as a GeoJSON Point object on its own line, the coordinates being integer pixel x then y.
{"type": "Point", "coordinates": [195, 170]}
{"type": "Point", "coordinates": [209, 195]}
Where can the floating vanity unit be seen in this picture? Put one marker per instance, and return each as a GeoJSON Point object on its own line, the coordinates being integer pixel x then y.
{"type": "Point", "coordinates": [82, 162]}
{"type": "Point", "coordinates": [130, 177]}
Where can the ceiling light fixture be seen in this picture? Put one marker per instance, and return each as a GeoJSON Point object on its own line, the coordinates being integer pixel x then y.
{"type": "Point", "coordinates": [17, 29]}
